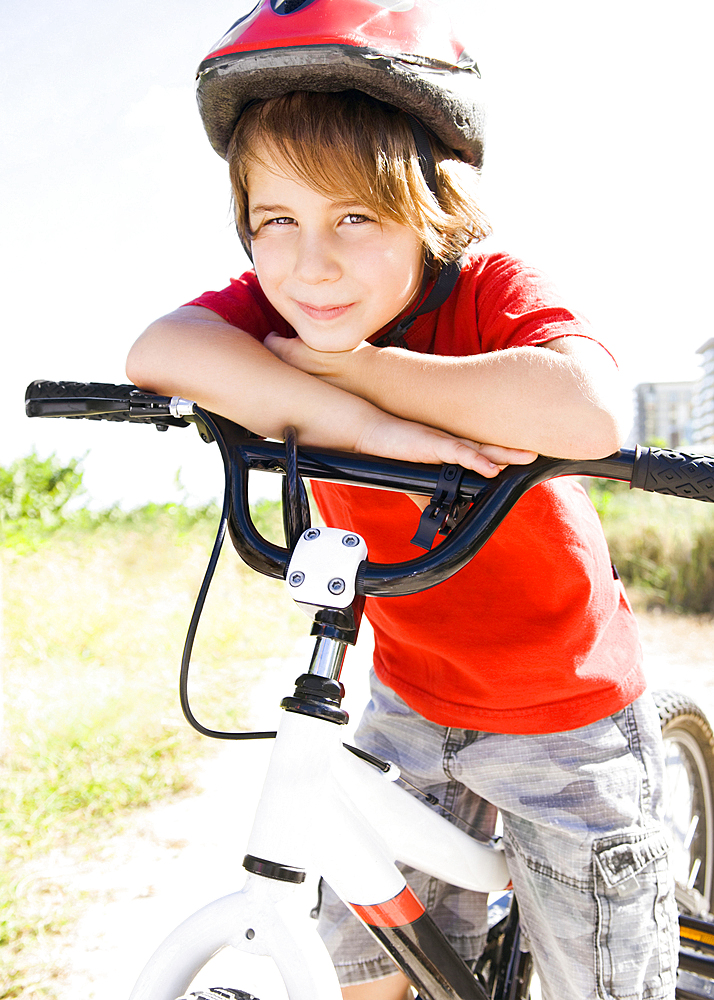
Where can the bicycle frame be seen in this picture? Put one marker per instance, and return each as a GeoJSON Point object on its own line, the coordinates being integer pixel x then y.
{"type": "Point", "coordinates": [325, 811]}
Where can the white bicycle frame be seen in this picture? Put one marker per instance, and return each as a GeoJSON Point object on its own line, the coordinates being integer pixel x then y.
{"type": "Point", "coordinates": [325, 812]}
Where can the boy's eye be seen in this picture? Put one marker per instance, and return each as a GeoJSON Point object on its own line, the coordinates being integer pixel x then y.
{"type": "Point", "coordinates": [355, 217]}
{"type": "Point", "coordinates": [282, 220]}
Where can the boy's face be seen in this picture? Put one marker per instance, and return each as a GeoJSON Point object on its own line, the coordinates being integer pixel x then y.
{"type": "Point", "coordinates": [326, 264]}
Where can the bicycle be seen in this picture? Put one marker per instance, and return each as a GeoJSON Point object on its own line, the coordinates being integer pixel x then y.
{"type": "Point", "coordinates": [320, 793]}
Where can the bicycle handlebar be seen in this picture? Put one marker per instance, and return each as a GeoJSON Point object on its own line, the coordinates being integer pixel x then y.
{"type": "Point", "coordinates": [657, 470]}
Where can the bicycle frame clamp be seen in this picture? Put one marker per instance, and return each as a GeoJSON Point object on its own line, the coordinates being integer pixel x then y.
{"type": "Point", "coordinates": [323, 568]}
{"type": "Point", "coordinates": [444, 511]}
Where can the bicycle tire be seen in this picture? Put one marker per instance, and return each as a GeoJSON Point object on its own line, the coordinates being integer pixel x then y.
{"type": "Point", "coordinates": [689, 800]}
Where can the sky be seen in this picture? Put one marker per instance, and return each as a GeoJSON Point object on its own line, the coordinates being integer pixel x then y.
{"type": "Point", "coordinates": [115, 210]}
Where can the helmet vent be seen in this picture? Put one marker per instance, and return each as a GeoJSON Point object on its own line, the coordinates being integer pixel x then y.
{"type": "Point", "coordinates": [289, 6]}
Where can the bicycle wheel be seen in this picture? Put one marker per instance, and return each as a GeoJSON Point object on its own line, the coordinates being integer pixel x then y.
{"type": "Point", "coordinates": [689, 801]}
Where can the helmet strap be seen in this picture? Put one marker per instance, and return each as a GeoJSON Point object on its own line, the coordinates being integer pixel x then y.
{"type": "Point", "coordinates": [441, 290]}
{"type": "Point", "coordinates": [426, 157]}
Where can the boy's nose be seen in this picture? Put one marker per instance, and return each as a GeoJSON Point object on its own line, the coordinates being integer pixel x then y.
{"type": "Point", "coordinates": [316, 259]}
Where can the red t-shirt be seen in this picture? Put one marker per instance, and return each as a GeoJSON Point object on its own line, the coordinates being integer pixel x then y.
{"type": "Point", "coordinates": [534, 635]}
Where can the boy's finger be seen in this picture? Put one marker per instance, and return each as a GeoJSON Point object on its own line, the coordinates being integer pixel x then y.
{"type": "Point", "coordinates": [472, 458]}
{"type": "Point", "coordinates": [507, 456]}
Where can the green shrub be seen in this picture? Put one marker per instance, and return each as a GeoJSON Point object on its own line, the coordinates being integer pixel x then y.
{"type": "Point", "coordinates": [38, 489]}
{"type": "Point", "coordinates": [693, 588]}
{"type": "Point", "coordinates": [662, 546]}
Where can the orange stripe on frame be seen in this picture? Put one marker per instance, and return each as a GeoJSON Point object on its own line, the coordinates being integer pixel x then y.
{"type": "Point", "coordinates": [396, 912]}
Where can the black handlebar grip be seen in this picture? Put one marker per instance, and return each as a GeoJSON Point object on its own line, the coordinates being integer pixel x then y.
{"type": "Point", "coordinates": [674, 473]}
{"type": "Point", "coordinates": [100, 401]}
{"type": "Point", "coordinates": [94, 400]}
{"type": "Point", "coordinates": [42, 389]}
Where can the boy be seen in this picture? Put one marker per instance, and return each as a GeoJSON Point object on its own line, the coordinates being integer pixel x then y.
{"type": "Point", "coordinates": [372, 322]}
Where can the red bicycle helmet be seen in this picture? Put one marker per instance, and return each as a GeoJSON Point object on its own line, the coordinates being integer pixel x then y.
{"type": "Point", "coordinates": [402, 52]}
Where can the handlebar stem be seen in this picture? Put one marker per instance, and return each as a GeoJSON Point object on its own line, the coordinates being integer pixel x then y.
{"type": "Point", "coordinates": [328, 657]}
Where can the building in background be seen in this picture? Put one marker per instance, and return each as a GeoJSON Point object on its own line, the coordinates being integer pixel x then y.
{"type": "Point", "coordinates": [703, 402]}
{"type": "Point", "coordinates": [677, 414]}
{"type": "Point", "coordinates": [663, 413]}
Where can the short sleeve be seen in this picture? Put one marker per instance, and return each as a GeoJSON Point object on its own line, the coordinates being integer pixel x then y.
{"type": "Point", "coordinates": [517, 305]}
{"type": "Point", "coordinates": [243, 304]}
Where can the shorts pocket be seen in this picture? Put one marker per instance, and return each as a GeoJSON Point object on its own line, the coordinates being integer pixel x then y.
{"type": "Point", "coordinates": [636, 938]}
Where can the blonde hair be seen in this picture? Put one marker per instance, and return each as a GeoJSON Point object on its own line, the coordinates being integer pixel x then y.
{"type": "Point", "coordinates": [348, 143]}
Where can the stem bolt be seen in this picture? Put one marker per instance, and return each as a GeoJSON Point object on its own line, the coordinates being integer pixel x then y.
{"type": "Point", "coordinates": [336, 586]}
{"type": "Point", "coordinates": [350, 541]}
{"type": "Point", "coordinates": [311, 534]}
{"type": "Point", "coordinates": [296, 579]}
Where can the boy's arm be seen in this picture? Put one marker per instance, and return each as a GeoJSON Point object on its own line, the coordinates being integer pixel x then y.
{"type": "Point", "coordinates": [562, 399]}
{"type": "Point", "coordinates": [194, 353]}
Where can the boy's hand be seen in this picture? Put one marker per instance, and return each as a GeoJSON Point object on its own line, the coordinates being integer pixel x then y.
{"type": "Point", "coordinates": [332, 366]}
{"type": "Point", "coordinates": [392, 437]}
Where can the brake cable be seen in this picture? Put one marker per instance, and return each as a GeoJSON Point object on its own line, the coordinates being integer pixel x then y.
{"type": "Point", "coordinates": [201, 600]}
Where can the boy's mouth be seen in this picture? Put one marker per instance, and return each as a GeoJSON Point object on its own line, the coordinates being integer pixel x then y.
{"type": "Point", "coordinates": [324, 312]}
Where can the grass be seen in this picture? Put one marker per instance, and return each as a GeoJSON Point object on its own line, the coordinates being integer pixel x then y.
{"type": "Point", "coordinates": [95, 618]}
{"type": "Point", "coordinates": [663, 546]}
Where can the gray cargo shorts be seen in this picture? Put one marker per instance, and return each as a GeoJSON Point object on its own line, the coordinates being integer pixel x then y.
{"type": "Point", "coordinates": [585, 846]}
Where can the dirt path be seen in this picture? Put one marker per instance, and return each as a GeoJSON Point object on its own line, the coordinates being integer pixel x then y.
{"type": "Point", "coordinates": [679, 654]}
{"type": "Point", "coordinates": [179, 856]}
